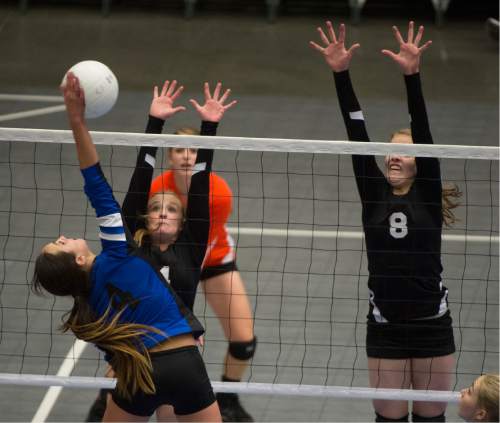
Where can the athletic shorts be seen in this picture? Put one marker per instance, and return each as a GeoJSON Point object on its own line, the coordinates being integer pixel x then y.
{"type": "Point", "coordinates": [412, 339]}
{"type": "Point", "coordinates": [213, 271]}
{"type": "Point", "coordinates": [181, 381]}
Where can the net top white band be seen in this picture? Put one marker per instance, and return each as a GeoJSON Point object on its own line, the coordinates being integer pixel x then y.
{"type": "Point", "coordinates": [256, 144]}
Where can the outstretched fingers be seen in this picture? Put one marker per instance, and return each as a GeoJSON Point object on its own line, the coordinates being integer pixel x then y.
{"type": "Point", "coordinates": [229, 105]}
{"type": "Point", "coordinates": [331, 31]}
{"type": "Point", "coordinates": [411, 27]}
{"type": "Point", "coordinates": [195, 104]}
{"type": "Point", "coordinates": [398, 36]}
{"type": "Point", "coordinates": [425, 46]}
{"type": "Point", "coordinates": [390, 54]}
{"type": "Point", "coordinates": [342, 33]}
{"type": "Point", "coordinates": [316, 46]}
{"type": "Point", "coordinates": [171, 88]}
{"type": "Point", "coordinates": [177, 93]}
{"type": "Point", "coordinates": [323, 37]}
{"type": "Point", "coordinates": [353, 48]}
{"type": "Point", "coordinates": [225, 96]}
{"type": "Point", "coordinates": [206, 89]}
{"type": "Point", "coordinates": [165, 88]}
{"type": "Point", "coordinates": [420, 33]}
{"type": "Point", "coordinates": [216, 95]}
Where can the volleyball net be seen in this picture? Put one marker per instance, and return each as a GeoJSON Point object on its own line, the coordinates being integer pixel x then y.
{"type": "Point", "coordinates": [296, 223]}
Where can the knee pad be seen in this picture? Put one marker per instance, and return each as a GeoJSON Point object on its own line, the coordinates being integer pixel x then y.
{"type": "Point", "coordinates": [381, 418]}
{"type": "Point", "coordinates": [417, 418]}
{"type": "Point", "coordinates": [243, 350]}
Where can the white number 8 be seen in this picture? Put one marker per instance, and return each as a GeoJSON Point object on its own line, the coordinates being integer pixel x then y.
{"type": "Point", "coordinates": [398, 225]}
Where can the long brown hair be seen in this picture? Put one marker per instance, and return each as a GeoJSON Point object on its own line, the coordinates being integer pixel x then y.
{"type": "Point", "coordinates": [60, 275]}
{"type": "Point", "coordinates": [449, 194]}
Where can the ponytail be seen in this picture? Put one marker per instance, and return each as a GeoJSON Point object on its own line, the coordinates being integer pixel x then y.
{"type": "Point", "coordinates": [450, 193]}
{"type": "Point", "coordinates": [130, 359]}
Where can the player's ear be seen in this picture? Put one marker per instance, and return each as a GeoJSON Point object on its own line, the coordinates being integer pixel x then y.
{"type": "Point", "coordinates": [480, 415]}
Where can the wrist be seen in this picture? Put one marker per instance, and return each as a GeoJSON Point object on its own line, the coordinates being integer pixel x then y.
{"type": "Point", "coordinates": [76, 121]}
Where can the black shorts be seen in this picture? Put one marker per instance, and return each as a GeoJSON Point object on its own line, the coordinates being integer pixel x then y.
{"type": "Point", "coordinates": [180, 379]}
{"type": "Point", "coordinates": [412, 339]}
{"type": "Point", "coordinates": [213, 271]}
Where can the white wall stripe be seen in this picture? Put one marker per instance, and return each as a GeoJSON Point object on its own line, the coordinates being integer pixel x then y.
{"type": "Point", "coordinates": [304, 233]}
{"type": "Point", "coordinates": [32, 98]}
{"type": "Point", "coordinates": [33, 112]}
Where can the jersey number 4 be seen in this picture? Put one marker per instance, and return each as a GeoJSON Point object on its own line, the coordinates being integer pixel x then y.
{"type": "Point", "coordinates": [398, 225]}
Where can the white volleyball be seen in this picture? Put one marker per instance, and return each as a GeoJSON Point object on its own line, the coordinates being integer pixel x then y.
{"type": "Point", "coordinates": [99, 84]}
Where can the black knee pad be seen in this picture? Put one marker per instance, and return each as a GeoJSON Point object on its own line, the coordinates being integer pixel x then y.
{"type": "Point", "coordinates": [417, 418]}
{"type": "Point", "coordinates": [381, 418]}
{"type": "Point", "coordinates": [243, 350]}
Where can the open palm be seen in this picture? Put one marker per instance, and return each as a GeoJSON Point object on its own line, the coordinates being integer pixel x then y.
{"type": "Point", "coordinates": [409, 54]}
{"type": "Point", "coordinates": [333, 50]}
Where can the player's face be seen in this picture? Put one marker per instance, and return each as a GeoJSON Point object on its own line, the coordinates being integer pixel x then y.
{"type": "Point", "coordinates": [182, 159]}
{"type": "Point", "coordinates": [400, 170]}
{"type": "Point", "coordinates": [77, 247]}
{"type": "Point", "coordinates": [164, 217]}
{"type": "Point", "coordinates": [467, 407]}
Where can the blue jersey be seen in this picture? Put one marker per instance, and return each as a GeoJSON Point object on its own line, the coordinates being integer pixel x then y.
{"type": "Point", "coordinates": [127, 280]}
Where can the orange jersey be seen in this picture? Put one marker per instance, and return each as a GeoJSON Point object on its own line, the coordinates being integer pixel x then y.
{"type": "Point", "coordinates": [220, 248]}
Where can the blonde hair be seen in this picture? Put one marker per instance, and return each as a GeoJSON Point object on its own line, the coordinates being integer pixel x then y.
{"type": "Point", "coordinates": [487, 395]}
{"type": "Point", "coordinates": [187, 131]}
{"type": "Point", "coordinates": [449, 194]}
{"type": "Point", "coordinates": [144, 232]}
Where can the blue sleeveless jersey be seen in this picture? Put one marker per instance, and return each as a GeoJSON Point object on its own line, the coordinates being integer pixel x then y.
{"type": "Point", "coordinates": [129, 281]}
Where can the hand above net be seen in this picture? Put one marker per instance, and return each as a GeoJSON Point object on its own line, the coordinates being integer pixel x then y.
{"type": "Point", "coordinates": [162, 105]}
{"type": "Point", "coordinates": [334, 51]}
{"type": "Point", "coordinates": [214, 108]}
{"type": "Point", "coordinates": [409, 54]}
{"type": "Point", "coordinates": [74, 99]}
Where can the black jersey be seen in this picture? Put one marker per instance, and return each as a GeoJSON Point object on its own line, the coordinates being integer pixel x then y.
{"type": "Point", "coordinates": [181, 262]}
{"type": "Point", "coordinates": [402, 232]}
{"type": "Point", "coordinates": [122, 277]}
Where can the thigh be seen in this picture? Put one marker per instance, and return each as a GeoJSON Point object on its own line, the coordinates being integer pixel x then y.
{"type": "Point", "coordinates": [227, 297]}
{"type": "Point", "coordinates": [114, 413]}
{"type": "Point", "coordinates": [390, 373]}
{"type": "Point", "coordinates": [435, 374]}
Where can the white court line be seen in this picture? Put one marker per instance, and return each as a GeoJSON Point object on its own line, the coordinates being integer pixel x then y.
{"type": "Point", "coordinates": [33, 112]}
{"type": "Point", "coordinates": [32, 98]}
{"type": "Point", "coordinates": [305, 233]}
{"type": "Point", "coordinates": [53, 392]}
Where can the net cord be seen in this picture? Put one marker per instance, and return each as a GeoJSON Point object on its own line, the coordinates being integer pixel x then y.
{"type": "Point", "coordinates": [246, 388]}
{"type": "Point", "coordinates": [256, 144]}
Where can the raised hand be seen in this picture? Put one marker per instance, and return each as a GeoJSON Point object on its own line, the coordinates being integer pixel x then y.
{"type": "Point", "coordinates": [162, 105]}
{"type": "Point", "coordinates": [214, 108]}
{"type": "Point", "coordinates": [409, 54]}
{"type": "Point", "coordinates": [333, 50]}
{"type": "Point", "coordinates": [74, 98]}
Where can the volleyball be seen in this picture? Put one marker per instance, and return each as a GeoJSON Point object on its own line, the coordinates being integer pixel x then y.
{"type": "Point", "coordinates": [99, 84]}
